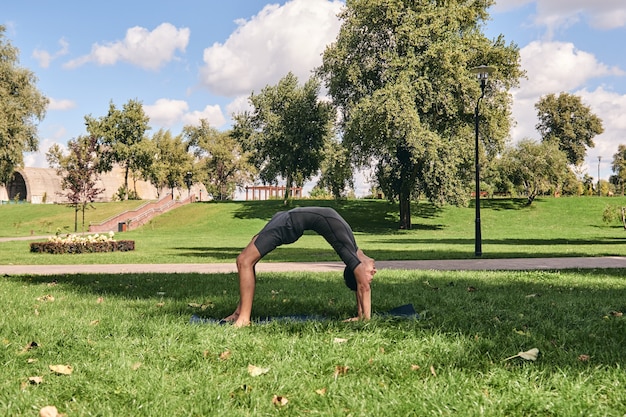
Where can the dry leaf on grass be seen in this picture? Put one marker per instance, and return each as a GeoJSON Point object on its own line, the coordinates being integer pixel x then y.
{"type": "Point", "coordinates": [584, 358]}
{"type": "Point", "coordinates": [415, 367]}
{"type": "Point", "coordinates": [28, 347]}
{"type": "Point", "coordinates": [49, 411]}
{"type": "Point", "coordinates": [432, 370]}
{"type": "Point", "coordinates": [61, 369]}
{"type": "Point", "coordinates": [340, 370]}
{"type": "Point", "coordinates": [35, 380]}
{"type": "Point", "coordinates": [616, 313]}
{"type": "Point", "coordinates": [225, 355]}
{"type": "Point", "coordinates": [529, 355]}
{"type": "Point", "coordinates": [339, 340]}
{"type": "Point", "coordinates": [279, 400]}
{"type": "Point", "coordinates": [136, 366]}
{"type": "Point", "coordinates": [256, 370]}
{"type": "Point", "coordinates": [321, 391]}
{"type": "Point", "coordinates": [46, 297]}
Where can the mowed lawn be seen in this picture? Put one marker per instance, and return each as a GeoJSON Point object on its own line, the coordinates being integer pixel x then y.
{"type": "Point", "coordinates": [125, 345]}
{"type": "Point", "coordinates": [216, 232]}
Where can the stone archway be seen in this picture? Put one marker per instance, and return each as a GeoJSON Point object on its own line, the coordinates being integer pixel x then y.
{"type": "Point", "coordinates": [17, 189]}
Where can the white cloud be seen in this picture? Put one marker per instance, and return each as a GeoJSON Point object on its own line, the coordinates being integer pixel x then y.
{"type": "Point", "coordinates": [239, 105]}
{"type": "Point", "coordinates": [552, 68]}
{"type": "Point", "coordinates": [38, 159]}
{"type": "Point", "coordinates": [165, 113]}
{"type": "Point", "coordinates": [554, 14]}
{"type": "Point", "coordinates": [213, 114]}
{"type": "Point", "coordinates": [555, 67]}
{"type": "Point", "coordinates": [263, 49]}
{"type": "Point", "coordinates": [611, 108]}
{"type": "Point", "coordinates": [45, 58]}
{"type": "Point", "coordinates": [140, 47]}
{"type": "Point", "coordinates": [61, 105]}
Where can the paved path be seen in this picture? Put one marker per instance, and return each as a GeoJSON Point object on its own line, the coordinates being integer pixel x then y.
{"type": "Point", "coordinates": [449, 265]}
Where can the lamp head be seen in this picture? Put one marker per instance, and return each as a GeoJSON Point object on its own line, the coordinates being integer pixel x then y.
{"type": "Point", "coordinates": [483, 71]}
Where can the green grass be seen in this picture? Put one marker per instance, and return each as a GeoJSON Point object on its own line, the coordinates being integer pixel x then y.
{"type": "Point", "coordinates": [216, 232]}
{"type": "Point", "coordinates": [46, 219]}
{"type": "Point", "coordinates": [133, 351]}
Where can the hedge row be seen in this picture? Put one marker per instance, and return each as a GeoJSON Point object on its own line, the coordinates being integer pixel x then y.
{"type": "Point", "coordinates": [88, 247]}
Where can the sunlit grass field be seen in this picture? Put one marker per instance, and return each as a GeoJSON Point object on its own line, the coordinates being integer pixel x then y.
{"type": "Point", "coordinates": [216, 232]}
{"type": "Point", "coordinates": [133, 352]}
{"type": "Point", "coordinates": [129, 348]}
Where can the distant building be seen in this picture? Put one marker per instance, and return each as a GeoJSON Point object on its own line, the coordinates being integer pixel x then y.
{"type": "Point", "coordinates": [43, 186]}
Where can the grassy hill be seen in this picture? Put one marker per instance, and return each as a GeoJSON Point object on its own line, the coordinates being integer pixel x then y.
{"type": "Point", "coordinates": [216, 232]}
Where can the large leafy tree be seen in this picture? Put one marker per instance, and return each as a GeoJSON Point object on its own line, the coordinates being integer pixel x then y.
{"type": "Point", "coordinates": [286, 131]}
{"type": "Point", "coordinates": [571, 124]}
{"type": "Point", "coordinates": [536, 168]}
{"type": "Point", "coordinates": [400, 73]}
{"type": "Point", "coordinates": [78, 170]}
{"type": "Point", "coordinates": [122, 133]}
{"type": "Point", "coordinates": [21, 107]}
{"type": "Point", "coordinates": [220, 162]}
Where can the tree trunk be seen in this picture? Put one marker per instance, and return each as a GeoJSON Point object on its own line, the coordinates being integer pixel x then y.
{"type": "Point", "coordinates": [76, 218]}
{"type": "Point", "coordinates": [126, 182]}
{"type": "Point", "coordinates": [405, 210]}
{"type": "Point", "coordinates": [288, 182]}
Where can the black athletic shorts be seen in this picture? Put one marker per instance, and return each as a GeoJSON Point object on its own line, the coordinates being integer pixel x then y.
{"type": "Point", "coordinates": [288, 226]}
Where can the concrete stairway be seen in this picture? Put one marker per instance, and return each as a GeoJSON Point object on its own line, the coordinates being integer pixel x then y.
{"type": "Point", "coordinates": [132, 219]}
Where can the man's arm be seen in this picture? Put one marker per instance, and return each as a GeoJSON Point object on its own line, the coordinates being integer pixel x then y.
{"type": "Point", "coordinates": [364, 273]}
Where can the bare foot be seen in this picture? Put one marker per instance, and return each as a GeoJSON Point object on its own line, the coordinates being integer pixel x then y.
{"type": "Point", "coordinates": [241, 323]}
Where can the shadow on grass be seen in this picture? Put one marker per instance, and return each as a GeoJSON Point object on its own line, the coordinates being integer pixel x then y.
{"type": "Point", "coordinates": [367, 216]}
{"type": "Point", "coordinates": [497, 204]}
{"type": "Point", "coordinates": [423, 249]}
{"type": "Point", "coordinates": [564, 313]}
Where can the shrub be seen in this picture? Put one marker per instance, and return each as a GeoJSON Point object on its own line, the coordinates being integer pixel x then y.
{"type": "Point", "coordinates": [82, 244]}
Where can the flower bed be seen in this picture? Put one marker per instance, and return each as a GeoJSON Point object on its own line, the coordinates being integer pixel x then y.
{"type": "Point", "coordinates": [82, 244]}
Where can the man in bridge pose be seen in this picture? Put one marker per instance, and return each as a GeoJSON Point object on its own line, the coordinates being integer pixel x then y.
{"type": "Point", "coordinates": [288, 226]}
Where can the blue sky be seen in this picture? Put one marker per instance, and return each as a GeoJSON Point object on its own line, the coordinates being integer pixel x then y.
{"type": "Point", "coordinates": [194, 59]}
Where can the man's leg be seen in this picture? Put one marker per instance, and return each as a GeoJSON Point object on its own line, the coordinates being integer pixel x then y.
{"type": "Point", "coordinates": [246, 262]}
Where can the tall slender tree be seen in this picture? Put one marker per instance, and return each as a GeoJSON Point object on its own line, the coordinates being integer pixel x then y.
{"type": "Point", "coordinates": [21, 107]}
{"type": "Point", "coordinates": [79, 173]}
{"type": "Point", "coordinates": [286, 132]}
{"type": "Point", "coordinates": [400, 73]}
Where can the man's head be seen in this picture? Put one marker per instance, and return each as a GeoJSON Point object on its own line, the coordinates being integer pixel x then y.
{"type": "Point", "coordinates": [349, 278]}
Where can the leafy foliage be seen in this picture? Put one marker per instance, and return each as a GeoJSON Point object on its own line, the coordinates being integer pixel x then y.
{"type": "Point", "coordinates": [568, 122]}
{"type": "Point", "coordinates": [82, 247]}
{"type": "Point", "coordinates": [79, 172]}
{"type": "Point", "coordinates": [121, 134]}
{"type": "Point", "coordinates": [21, 106]}
{"type": "Point", "coordinates": [536, 167]}
{"type": "Point", "coordinates": [171, 161]}
{"type": "Point", "coordinates": [220, 162]}
{"type": "Point", "coordinates": [400, 74]}
{"type": "Point", "coordinates": [286, 133]}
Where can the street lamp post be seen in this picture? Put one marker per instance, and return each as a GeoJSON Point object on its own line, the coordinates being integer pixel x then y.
{"type": "Point", "coordinates": [482, 73]}
{"type": "Point", "coordinates": [599, 191]}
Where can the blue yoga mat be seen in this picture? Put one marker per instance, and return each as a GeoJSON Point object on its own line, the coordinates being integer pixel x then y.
{"type": "Point", "coordinates": [404, 311]}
